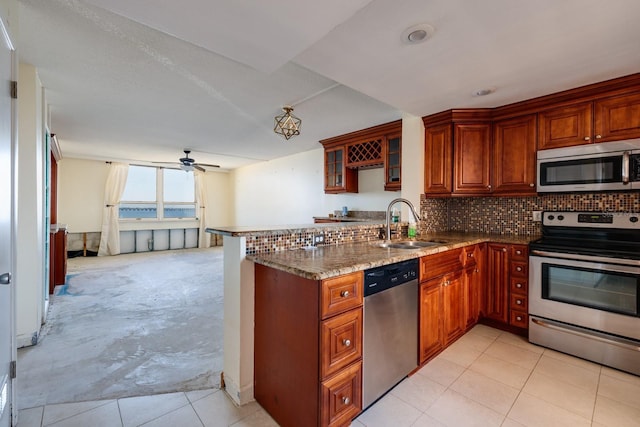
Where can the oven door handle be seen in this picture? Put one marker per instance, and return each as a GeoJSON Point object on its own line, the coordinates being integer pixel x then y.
{"type": "Point", "coordinates": [626, 344]}
{"type": "Point", "coordinates": [625, 167]}
{"type": "Point", "coordinates": [579, 257]}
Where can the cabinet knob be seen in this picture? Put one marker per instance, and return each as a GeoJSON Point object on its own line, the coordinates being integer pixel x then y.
{"type": "Point", "coordinates": [346, 343]}
{"type": "Point", "coordinates": [344, 294]}
{"type": "Point", "coordinates": [346, 400]}
{"type": "Point", "coordinates": [504, 249]}
{"type": "Point", "coordinates": [447, 282]}
{"type": "Point", "coordinates": [598, 136]}
{"type": "Point", "coordinates": [519, 318]}
{"type": "Point", "coordinates": [518, 268]}
{"type": "Point", "coordinates": [586, 138]}
{"type": "Point", "coordinates": [531, 184]}
{"type": "Point", "coordinates": [519, 301]}
{"type": "Point", "coordinates": [489, 186]}
{"type": "Point", "coordinates": [519, 285]}
{"type": "Point", "coordinates": [518, 252]}
{"type": "Point", "coordinates": [477, 271]}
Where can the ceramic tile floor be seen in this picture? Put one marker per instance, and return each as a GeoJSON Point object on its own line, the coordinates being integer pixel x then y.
{"type": "Point", "coordinates": [486, 378]}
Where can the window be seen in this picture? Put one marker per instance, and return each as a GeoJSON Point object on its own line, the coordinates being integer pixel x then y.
{"type": "Point", "coordinates": [158, 194]}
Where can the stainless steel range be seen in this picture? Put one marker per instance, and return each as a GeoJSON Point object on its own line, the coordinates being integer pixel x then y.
{"type": "Point", "coordinates": [584, 295]}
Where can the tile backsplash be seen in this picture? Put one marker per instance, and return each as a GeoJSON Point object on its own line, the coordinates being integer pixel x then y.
{"type": "Point", "coordinates": [513, 215]}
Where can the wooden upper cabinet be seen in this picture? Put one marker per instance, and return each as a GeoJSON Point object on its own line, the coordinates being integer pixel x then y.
{"type": "Point", "coordinates": [438, 159]}
{"type": "Point", "coordinates": [472, 154]}
{"type": "Point", "coordinates": [607, 119]}
{"type": "Point", "coordinates": [337, 178]}
{"type": "Point", "coordinates": [565, 126]}
{"type": "Point", "coordinates": [514, 156]}
{"type": "Point", "coordinates": [375, 147]}
{"type": "Point", "coordinates": [617, 118]}
{"type": "Point", "coordinates": [393, 162]}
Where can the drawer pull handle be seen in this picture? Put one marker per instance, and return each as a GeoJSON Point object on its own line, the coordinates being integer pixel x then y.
{"type": "Point", "coordinates": [346, 343]}
{"type": "Point", "coordinates": [344, 294]}
{"type": "Point", "coordinates": [346, 400]}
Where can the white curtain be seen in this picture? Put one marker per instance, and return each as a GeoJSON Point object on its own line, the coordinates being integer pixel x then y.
{"type": "Point", "coordinates": [113, 189]}
{"type": "Point", "coordinates": [204, 238]}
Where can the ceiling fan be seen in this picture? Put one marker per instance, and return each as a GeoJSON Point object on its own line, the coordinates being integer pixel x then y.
{"type": "Point", "coordinates": [188, 164]}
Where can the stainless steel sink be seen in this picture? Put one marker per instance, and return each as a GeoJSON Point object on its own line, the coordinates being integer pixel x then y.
{"type": "Point", "coordinates": [409, 244]}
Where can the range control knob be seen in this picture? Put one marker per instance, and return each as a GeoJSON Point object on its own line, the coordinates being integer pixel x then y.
{"type": "Point", "coordinates": [633, 219]}
{"type": "Point", "coordinates": [560, 217]}
{"type": "Point", "coordinates": [551, 217]}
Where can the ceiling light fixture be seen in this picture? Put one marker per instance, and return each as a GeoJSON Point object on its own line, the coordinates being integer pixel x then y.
{"type": "Point", "coordinates": [417, 33]}
{"type": "Point", "coordinates": [287, 124]}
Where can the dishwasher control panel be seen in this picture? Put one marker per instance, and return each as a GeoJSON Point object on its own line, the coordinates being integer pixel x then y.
{"type": "Point", "coordinates": [388, 276]}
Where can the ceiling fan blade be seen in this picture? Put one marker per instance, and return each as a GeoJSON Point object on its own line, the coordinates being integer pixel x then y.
{"type": "Point", "coordinates": [208, 165]}
{"type": "Point", "coordinates": [196, 166]}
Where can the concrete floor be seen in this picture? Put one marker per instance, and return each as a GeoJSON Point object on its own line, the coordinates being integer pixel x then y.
{"type": "Point", "coordinates": [128, 325]}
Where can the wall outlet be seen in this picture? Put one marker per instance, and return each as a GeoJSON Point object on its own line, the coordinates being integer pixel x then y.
{"type": "Point", "coordinates": [537, 216]}
{"type": "Point", "coordinates": [318, 239]}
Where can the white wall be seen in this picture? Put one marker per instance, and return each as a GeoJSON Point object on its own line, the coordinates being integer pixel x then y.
{"type": "Point", "coordinates": [81, 194]}
{"type": "Point", "coordinates": [412, 160]}
{"type": "Point", "coordinates": [219, 206]}
{"type": "Point", "coordinates": [290, 190]}
{"type": "Point", "coordinates": [30, 284]}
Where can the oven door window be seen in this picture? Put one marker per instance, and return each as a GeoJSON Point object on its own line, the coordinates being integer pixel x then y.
{"type": "Point", "coordinates": [598, 170]}
{"type": "Point", "coordinates": [611, 291]}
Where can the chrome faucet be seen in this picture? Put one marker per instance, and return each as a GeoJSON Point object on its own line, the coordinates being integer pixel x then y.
{"type": "Point", "coordinates": [388, 219]}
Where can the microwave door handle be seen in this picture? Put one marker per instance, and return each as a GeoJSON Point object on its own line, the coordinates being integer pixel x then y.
{"type": "Point", "coordinates": [625, 167]}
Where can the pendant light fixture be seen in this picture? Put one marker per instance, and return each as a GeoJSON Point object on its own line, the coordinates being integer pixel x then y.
{"type": "Point", "coordinates": [287, 124]}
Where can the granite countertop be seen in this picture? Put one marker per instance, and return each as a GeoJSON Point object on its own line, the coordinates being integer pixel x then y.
{"type": "Point", "coordinates": [237, 231]}
{"type": "Point", "coordinates": [348, 219]}
{"type": "Point", "coordinates": [329, 261]}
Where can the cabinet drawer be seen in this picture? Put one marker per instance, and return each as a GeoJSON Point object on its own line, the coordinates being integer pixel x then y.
{"type": "Point", "coordinates": [519, 253]}
{"type": "Point", "coordinates": [441, 263]}
{"type": "Point", "coordinates": [341, 341]}
{"type": "Point", "coordinates": [519, 285]}
{"type": "Point", "coordinates": [341, 397]}
{"type": "Point", "coordinates": [341, 293]}
{"type": "Point", "coordinates": [519, 318]}
{"type": "Point", "coordinates": [519, 269]}
{"type": "Point", "coordinates": [519, 302]}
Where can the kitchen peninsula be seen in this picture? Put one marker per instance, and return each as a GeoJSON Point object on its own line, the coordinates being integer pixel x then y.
{"type": "Point", "coordinates": [286, 254]}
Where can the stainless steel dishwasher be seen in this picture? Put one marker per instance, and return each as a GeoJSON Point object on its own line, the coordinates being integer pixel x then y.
{"type": "Point", "coordinates": [390, 331]}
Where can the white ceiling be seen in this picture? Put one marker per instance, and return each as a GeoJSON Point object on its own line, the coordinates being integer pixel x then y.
{"type": "Point", "coordinates": [141, 80]}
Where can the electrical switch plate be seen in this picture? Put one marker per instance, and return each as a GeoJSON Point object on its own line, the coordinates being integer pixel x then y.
{"type": "Point", "coordinates": [537, 216]}
{"type": "Point", "coordinates": [318, 239]}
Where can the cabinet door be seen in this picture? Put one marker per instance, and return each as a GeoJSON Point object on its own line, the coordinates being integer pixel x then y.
{"type": "Point", "coordinates": [617, 118]}
{"type": "Point", "coordinates": [471, 151]}
{"type": "Point", "coordinates": [337, 178]}
{"type": "Point", "coordinates": [393, 162]}
{"type": "Point", "coordinates": [453, 297]}
{"type": "Point", "coordinates": [514, 156]}
{"type": "Point", "coordinates": [437, 160]}
{"type": "Point", "coordinates": [474, 282]}
{"type": "Point", "coordinates": [497, 296]}
{"type": "Point", "coordinates": [565, 126]}
{"type": "Point", "coordinates": [431, 340]}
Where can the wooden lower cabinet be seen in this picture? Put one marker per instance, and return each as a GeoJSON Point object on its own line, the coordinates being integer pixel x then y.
{"type": "Point", "coordinates": [308, 347]}
{"type": "Point", "coordinates": [497, 292]}
{"type": "Point", "coordinates": [453, 306]}
{"type": "Point", "coordinates": [431, 337]}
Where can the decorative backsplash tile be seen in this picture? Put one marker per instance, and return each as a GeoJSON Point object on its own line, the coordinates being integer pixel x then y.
{"type": "Point", "coordinates": [276, 241]}
{"type": "Point", "coordinates": [513, 215]}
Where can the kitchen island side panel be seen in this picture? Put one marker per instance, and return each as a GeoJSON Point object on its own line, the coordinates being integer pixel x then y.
{"type": "Point", "coordinates": [287, 346]}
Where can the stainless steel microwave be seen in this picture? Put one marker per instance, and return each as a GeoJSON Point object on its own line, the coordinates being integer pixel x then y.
{"type": "Point", "coordinates": [607, 166]}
